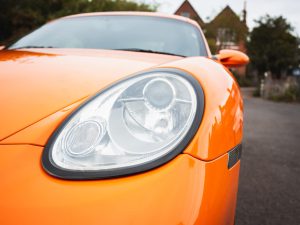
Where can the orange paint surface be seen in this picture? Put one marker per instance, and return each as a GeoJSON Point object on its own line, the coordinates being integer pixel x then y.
{"type": "Point", "coordinates": [222, 124]}
{"type": "Point", "coordinates": [184, 191]}
{"type": "Point", "coordinates": [41, 87]}
{"type": "Point", "coordinates": [35, 84]}
{"type": "Point", "coordinates": [220, 130]}
{"type": "Point", "coordinates": [233, 58]}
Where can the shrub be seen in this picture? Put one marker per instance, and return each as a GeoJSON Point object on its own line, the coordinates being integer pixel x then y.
{"type": "Point", "coordinates": [291, 94]}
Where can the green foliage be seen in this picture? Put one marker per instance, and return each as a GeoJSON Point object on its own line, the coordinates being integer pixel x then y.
{"type": "Point", "coordinates": [272, 46]}
{"type": "Point", "coordinates": [212, 45]}
{"type": "Point", "coordinates": [292, 94]}
{"type": "Point", "coordinates": [19, 17]}
{"type": "Point", "coordinates": [244, 81]}
{"type": "Point", "coordinates": [256, 92]}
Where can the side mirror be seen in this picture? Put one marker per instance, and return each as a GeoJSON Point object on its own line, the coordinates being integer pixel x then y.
{"type": "Point", "coordinates": [2, 47]}
{"type": "Point", "coordinates": [232, 58]}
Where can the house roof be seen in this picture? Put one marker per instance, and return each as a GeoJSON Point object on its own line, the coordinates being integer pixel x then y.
{"type": "Point", "coordinates": [227, 11]}
{"type": "Point", "coordinates": [192, 8]}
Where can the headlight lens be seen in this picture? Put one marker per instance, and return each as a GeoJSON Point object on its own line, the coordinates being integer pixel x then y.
{"type": "Point", "coordinates": [135, 125]}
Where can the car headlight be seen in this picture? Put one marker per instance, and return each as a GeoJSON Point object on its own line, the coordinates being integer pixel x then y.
{"type": "Point", "coordinates": [135, 125]}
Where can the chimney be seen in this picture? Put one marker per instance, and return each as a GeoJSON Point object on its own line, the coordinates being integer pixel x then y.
{"type": "Point", "coordinates": [245, 12]}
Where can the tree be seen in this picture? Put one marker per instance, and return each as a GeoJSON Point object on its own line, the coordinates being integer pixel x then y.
{"type": "Point", "coordinates": [19, 17]}
{"type": "Point", "coordinates": [272, 46]}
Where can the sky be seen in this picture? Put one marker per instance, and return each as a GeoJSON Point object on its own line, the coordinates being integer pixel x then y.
{"type": "Point", "coordinates": [290, 9]}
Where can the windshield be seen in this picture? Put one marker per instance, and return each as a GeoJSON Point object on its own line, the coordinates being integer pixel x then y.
{"type": "Point", "coordinates": [134, 33]}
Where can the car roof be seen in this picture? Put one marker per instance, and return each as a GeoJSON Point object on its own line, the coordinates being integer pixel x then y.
{"type": "Point", "coordinates": [153, 14]}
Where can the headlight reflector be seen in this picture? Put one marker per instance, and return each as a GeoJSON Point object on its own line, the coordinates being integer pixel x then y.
{"type": "Point", "coordinates": [135, 125]}
{"type": "Point", "coordinates": [159, 94]}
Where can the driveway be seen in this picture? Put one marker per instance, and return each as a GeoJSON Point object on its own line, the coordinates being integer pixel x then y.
{"type": "Point", "coordinates": [269, 191]}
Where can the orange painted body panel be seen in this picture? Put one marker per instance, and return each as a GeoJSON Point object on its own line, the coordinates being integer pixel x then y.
{"type": "Point", "coordinates": [39, 133]}
{"type": "Point", "coordinates": [41, 87]}
{"type": "Point", "coordinates": [220, 130]}
{"type": "Point", "coordinates": [232, 58]}
{"type": "Point", "coordinates": [184, 191]}
{"type": "Point", "coordinates": [36, 84]}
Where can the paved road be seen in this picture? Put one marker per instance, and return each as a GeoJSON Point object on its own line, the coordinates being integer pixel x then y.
{"type": "Point", "coordinates": [269, 191]}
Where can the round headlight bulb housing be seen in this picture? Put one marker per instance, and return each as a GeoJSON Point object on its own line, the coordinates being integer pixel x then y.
{"type": "Point", "coordinates": [83, 137]}
{"type": "Point", "coordinates": [159, 94]}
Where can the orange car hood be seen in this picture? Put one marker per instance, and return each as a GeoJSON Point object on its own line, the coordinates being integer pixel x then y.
{"type": "Point", "coordinates": [35, 84]}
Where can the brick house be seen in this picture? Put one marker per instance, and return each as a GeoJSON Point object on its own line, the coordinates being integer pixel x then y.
{"type": "Point", "coordinates": [187, 10]}
{"type": "Point", "coordinates": [226, 31]}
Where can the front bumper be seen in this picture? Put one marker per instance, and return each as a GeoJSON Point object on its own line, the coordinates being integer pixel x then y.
{"type": "Point", "coordinates": [183, 191]}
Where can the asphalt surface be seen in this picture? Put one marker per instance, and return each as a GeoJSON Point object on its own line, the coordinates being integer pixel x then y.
{"type": "Point", "coordinates": [269, 188]}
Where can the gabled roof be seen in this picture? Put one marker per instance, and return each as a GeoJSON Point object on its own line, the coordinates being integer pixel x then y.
{"type": "Point", "coordinates": [226, 13]}
{"type": "Point", "coordinates": [187, 2]}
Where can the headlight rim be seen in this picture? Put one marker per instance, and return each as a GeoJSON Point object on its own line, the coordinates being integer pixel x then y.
{"type": "Point", "coordinates": [67, 174]}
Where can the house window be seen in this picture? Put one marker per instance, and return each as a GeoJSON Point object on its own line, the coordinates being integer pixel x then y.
{"type": "Point", "coordinates": [185, 14]}
{"type": "Point", "coordinates": [226, 38]}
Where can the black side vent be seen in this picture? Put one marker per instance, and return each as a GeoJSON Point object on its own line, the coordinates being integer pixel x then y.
{"type": "Point", "coordinates": [234, 156]}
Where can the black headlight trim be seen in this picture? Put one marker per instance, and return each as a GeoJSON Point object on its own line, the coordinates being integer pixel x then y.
{"type": "Point", "coordinates": [51, 168]}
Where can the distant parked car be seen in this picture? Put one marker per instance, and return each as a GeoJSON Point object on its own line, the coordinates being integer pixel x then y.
{"type": "Point", "coordinates": [119, 118]}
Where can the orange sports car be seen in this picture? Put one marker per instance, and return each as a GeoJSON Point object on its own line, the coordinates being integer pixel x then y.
{"type": "Point", "coordinates": [119, 118]}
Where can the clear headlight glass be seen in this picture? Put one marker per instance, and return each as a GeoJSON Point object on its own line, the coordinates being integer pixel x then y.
{"type": "Point", "coordinates": [132, 123]}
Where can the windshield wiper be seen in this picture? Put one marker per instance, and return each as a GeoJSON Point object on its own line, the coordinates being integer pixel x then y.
{"type": "Point", "coordinates": [147, 50]}
{"type": "Point", "coordinates": [31, 46]}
